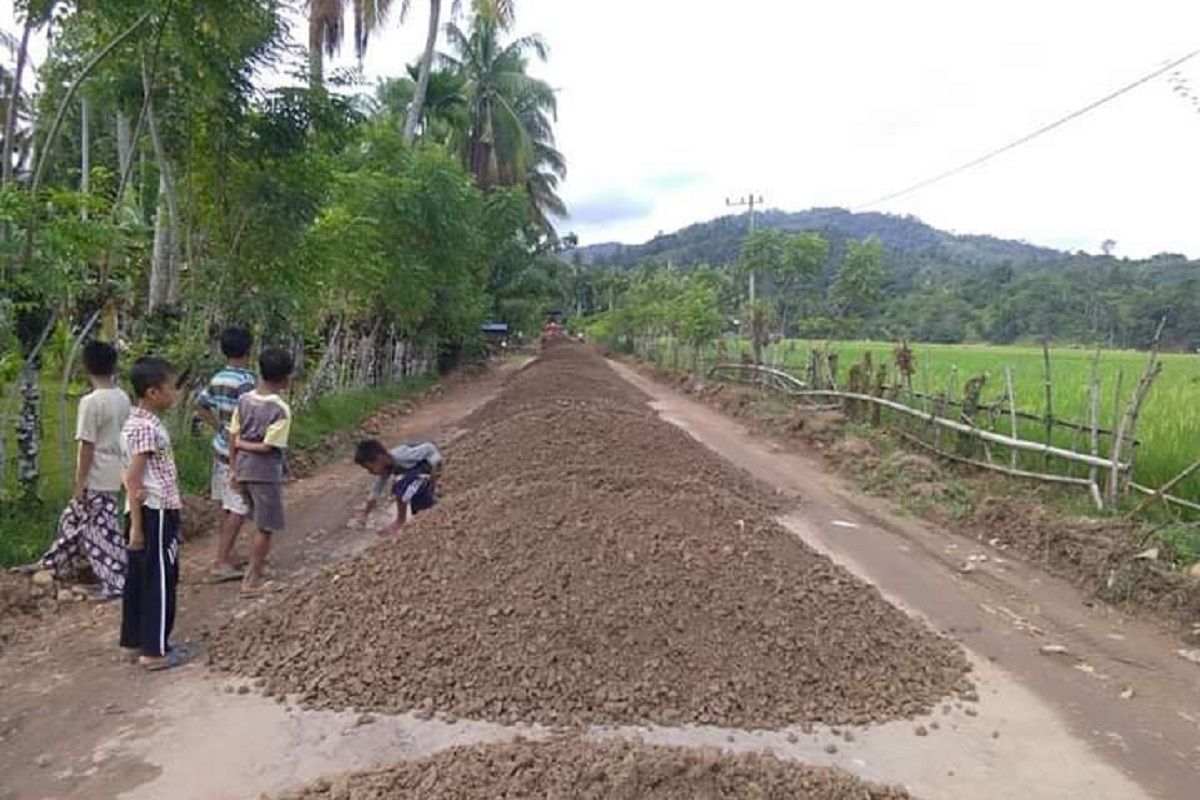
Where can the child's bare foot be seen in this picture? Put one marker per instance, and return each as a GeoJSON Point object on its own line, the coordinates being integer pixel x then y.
{"type": "Point", "coordinates": [253, 588]}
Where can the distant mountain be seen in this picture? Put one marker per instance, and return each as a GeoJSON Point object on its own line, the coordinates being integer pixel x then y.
{"type": "Point", "coordinates": [908, 239]}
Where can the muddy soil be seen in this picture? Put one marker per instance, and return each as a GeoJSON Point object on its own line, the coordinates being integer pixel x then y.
{"type": "Point", "coordinates": [594, 565]}
{"type": "Point", "coordinates": [582, 770]}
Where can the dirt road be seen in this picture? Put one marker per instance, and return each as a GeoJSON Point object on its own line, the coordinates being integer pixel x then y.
{"type": "Point", "coordinates": [1119, 695]}
{"type": "Point", "coordinates": [1117, 716]}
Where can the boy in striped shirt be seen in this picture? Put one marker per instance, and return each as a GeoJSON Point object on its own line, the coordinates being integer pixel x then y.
{"type": "Point", "coordinates": [215, 406]}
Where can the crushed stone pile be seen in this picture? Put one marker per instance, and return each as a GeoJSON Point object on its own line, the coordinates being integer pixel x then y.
{"type": "Point", "coordinates": [581, 770]}
{"type": "Point", "coordinates": [593, 565]}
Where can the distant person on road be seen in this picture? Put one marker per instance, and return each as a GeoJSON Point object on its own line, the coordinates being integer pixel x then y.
{"type": "Point", "coordinates": [215, 406]}
{"type": "Point", "coordinates": [412, 469]}
{"type": "Point", "coordinates": [259, 431]}
{"type": "Point", "coordinates": [88, 525]}
{"type": "Point", "coordinates": [153, 501]}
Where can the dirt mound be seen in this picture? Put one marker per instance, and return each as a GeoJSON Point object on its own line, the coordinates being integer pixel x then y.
{"type": "Point", "coordinates": [592, 564]}
{"type": "Point", "coordinates": [1095, 553]}
{"type": "Point", "coordinates": [578, 769]}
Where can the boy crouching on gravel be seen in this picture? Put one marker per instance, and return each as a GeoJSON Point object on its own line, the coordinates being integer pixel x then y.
{"type": "Point", "coordinates": [259, 431]}
{"type": "Point", "coordinates": [418, 467]}
{"type": "Point", "coordinates": [153, 502]}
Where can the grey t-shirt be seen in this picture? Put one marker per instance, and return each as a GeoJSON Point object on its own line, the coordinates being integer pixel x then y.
{"type": "Point", "coordinates": [102, 413]}
{"type": "Point", "coordinates": [267, 419]}
{"type": "Point", "coordinates": [406, 457]}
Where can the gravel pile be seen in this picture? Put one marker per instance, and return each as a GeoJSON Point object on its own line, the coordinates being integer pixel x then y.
{"type": "Point", "coordinates": [572, 768]}
{"type": "Point", "coordinates": [594, 565]}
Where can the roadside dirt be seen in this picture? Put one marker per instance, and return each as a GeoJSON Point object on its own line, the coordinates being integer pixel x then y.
{"type": "Point", "coordinates": [1096, 554]}
{"type": "Point", "coordinates": [1115, 684]}
{"type": "Point", "coordinates": [68, 701]}
{"type": "Point", "coordinates": [582, 770]}
{"type": "Point", "coordinates": [593, 565]}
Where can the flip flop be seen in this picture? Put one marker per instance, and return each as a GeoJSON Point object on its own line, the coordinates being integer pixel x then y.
{"type": "Point", "coordinates": [225, 574]}
{"type": "Point", "coordinates": [174, 658]}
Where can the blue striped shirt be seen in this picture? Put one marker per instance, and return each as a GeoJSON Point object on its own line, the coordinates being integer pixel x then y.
{"type": "Point", "coordinates": [221, 397]}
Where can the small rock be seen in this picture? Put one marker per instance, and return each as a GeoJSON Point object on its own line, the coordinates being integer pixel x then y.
{"type": "Point", "coordinates": [921, 731]}
{"type": "Point", "coordinates": [848, 736]}
{"type": "Point", "coordinates": [831, 748]}
{"type": "Point", "coordinates": [42, 761]}
{"type": "Point", "coordinates": [1150, 554]}
{"type": "Point", "coordinates": [1127, 693]}
{"type": "Point", "coordinates": [364, 719]}
{"type": "Point", "coordinates": [1194, 570]}
{"type": "Point", "coordinates": [243, 689]}
{"type": "Point", "coordinates": [43, 577]}
{"type": "Point", "coordinates": [792, 738]}
{"type": "Point", "coordinates": [1052, 650]}
{"type": "Point", "coordinates": [1189, 655]}
{"type": "Point", "coordinates": [970, 712]}
{"type": "Point", "coordinates": [65, 596]}
{"type": "Point", "coordinates": [995, 734]}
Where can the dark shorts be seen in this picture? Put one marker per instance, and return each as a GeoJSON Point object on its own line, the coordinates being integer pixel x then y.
{"type": "Point", "coordinates": [265, 503]}
{"type": "Point", "coordinates": [415, 490]}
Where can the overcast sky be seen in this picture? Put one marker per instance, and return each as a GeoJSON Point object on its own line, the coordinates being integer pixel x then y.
{"type": "Point", "coordinates": [668, 106]}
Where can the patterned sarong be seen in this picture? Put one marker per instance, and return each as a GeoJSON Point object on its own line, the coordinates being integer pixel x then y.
{"type": "Point", "coordinates": [89, 527]}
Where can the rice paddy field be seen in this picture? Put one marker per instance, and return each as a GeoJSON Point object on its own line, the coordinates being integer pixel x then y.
{"type": "Point", "coordinates": [1168, 431]}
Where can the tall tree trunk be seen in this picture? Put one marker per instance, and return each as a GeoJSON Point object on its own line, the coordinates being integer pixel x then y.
{"type": "Point", "coordinates": [124, 143]}
{"type": "Point", "coordinates": [160, 266]}
{"type": "Point", "coordinates": [418, 101]}
{"type": "Point", "coordinates": [10, 118]}
{"type": "Point", "coordinates": [29, 429]}
{"type": "Point", "coordinates": [85, 158]}
{"type": "Point", "coordinates": [164, 269]}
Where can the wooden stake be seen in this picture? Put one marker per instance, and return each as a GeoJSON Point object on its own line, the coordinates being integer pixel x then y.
{"type": "Point", "coordinates": [1094, 414]}
{"type": "Point", "coordinates": [1012, 409]}
{"type": "Point", "coordinates": [1128, 424]}
{"type": "Point", "coordinates": [1046, 379]}
{"type": "Point", "coordinates": [1161, 492]}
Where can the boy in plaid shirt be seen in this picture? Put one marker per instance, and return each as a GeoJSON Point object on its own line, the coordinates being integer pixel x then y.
{"type": "Point", "coordinates": [153, 502]}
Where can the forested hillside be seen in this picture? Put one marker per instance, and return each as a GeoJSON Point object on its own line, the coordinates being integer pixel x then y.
{"type": "Point", "coordinates": [943, 287]}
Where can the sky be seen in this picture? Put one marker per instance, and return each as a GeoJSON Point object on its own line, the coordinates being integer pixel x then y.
{"type": "Point", "coordinates": [668, 107]}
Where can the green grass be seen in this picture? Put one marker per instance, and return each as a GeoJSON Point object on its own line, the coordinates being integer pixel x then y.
{"type": "Point", "coordinates": [1169, 428]}
{"type": "Point", "coordinates": [25, 530]}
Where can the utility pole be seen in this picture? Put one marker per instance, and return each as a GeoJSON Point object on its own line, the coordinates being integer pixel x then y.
{"type": "Point", "coordinates": [749, 201]}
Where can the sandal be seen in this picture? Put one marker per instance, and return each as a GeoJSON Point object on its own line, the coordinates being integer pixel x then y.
{"type": "Point", "coordinates": [174, 658]}
{"type": "Point", "coordinates": [225, 573]}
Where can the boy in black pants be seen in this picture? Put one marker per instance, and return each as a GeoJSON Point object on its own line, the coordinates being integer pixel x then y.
{"type": "Point", "coordinates": [153, 502]}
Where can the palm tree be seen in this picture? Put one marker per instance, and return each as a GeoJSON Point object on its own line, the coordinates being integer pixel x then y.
{"type": "Point", "coordinates": [503, 11]}
{"type": "Point", "coordinates": [445, 111]}
{"type": "Point", "coordinates": [326, 28]}
{"type": "Point", "coordinates": [498, 144]}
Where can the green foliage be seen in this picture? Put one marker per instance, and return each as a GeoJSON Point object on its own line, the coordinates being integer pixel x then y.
{"type": "Point", "coordinates": [859, 282]}
{"type": "Point", "coordinates": [948, 288]}
{"type": "Point", "coordinates": [294, 210]}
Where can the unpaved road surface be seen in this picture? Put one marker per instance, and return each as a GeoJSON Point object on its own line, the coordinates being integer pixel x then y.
{"type": "Point", "coordinates": [595, 565]}
{"type": "Point", "coordinates": [1116, 716]}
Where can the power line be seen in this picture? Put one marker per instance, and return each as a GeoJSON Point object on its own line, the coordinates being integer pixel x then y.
{"type": "Point", "coordinates": [1030, 136]}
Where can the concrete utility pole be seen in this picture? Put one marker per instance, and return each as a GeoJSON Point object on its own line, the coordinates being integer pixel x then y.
{"type": "Point", "coordinates": [749, 201]}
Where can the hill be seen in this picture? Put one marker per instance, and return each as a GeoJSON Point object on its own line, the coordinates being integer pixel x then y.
{"type": "Point", "coordinates": [947, 287]}
{"type": "Point", "coordinates": [905, 238]}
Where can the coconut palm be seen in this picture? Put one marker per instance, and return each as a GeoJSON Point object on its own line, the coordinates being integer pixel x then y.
{"type": "Point", "coordinates": [498, 144]}
{"type": "Point", "coordinates": [327, 29]}
{"type": "Point", "coordinates": [503, 11]}
{"type": "Point", "coordinates": [445, 111]}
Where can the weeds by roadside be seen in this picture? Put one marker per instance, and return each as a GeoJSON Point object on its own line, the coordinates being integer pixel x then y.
{"type": "Point", "coordinates": [26, 529]}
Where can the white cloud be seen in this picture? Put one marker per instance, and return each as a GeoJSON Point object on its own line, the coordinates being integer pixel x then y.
{"type": "Point", "coordinates": [815, 104]}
